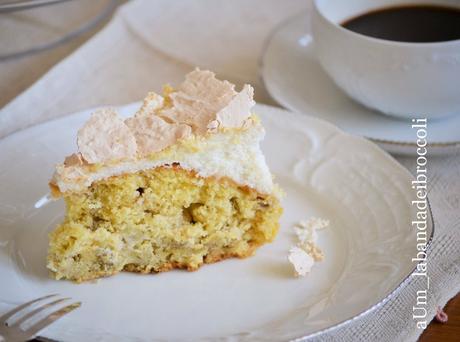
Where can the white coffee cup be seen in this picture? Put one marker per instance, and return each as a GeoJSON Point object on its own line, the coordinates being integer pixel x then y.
{"type": "Point", "coordinates": [396, 78]}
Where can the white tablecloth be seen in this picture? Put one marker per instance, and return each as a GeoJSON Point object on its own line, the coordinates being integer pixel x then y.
{"type": "Point", "coordinates": [152, 42]}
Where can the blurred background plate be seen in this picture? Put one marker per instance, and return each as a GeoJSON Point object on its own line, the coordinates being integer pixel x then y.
{"type": "Point", "coordinates": [35, 39]}
{"type": "Point", "coordinates": [30, 26]}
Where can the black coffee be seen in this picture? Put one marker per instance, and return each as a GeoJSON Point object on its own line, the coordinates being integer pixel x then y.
{"type": "Point", "coordinates": [416, 23]}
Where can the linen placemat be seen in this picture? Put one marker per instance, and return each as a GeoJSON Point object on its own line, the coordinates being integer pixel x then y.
{"type": "Point", "coordinates": [152, 42]}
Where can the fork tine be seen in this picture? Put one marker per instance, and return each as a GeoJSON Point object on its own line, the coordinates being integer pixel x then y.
{"type": "Point", "coordinates": [9, 314]}
{"type": "Point", "coordinates": [37, 327]}
{"type": "Point", "coordinates": [35, 311]}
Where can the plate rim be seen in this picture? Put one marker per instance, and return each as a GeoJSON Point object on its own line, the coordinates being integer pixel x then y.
{"type": "Point", "coordinates": [347, 321]}
{"type": "Point", "coordinates": [261, 67]}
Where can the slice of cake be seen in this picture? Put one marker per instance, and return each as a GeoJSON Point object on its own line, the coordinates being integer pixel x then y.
{"type": "Point", "coordinates": [180, 183]}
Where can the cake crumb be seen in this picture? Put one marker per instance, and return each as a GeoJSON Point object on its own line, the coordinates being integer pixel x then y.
{"type": "Point", "coordinates": [301, 261]}
{"type": "Point", "coordinates": [306, 252]}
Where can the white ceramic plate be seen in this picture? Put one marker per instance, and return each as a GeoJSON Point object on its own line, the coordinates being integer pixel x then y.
{"type": "Point", "coordinates": [326, 173]}
{"type": "Point", "coordinates": [295, 79]}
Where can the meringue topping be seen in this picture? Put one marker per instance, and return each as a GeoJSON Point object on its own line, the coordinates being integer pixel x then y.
{"type": "Point", "coordinates": [153, 134]}
{"type": "Point", "coordinates": [152, 103]}
{"type": "Point", "coordinates": [235, 114]}
{"type": "Point", "coordinates": [106, 137]}
{"type": "Point", "coordinates": [75, 159]}
{"type": "Point", "coordinates": [205, 103]}
{"type": "Point", "coordinates": [202, 104]}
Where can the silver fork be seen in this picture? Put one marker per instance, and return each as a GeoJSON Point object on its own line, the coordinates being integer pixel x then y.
{"type": "Point", "coordinates": [12, 331]}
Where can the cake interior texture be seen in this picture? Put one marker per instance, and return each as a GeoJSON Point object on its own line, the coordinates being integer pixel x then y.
{"type": "Point", "coordinates": [156, 220]}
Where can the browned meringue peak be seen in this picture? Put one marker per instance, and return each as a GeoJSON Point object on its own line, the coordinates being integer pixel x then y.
{"type": "Point", "coordinates": [206, 103]}
{"type": "Point", "coordinates": [75, 159]}
{"type": "Point", "coordinates": [153, 134]}
{"type": "Point", "coordinates": [237, 111]}
{"type": "Point", "coordinates": [106, 137]}
{"type": "Point", "coordinates": [201, 104]}
{"type": "Point", "coordinates": [151, 104]}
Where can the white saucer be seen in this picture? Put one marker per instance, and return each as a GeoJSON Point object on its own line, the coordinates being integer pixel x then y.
{"type": "Point", "coordinates": [294, 78]}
